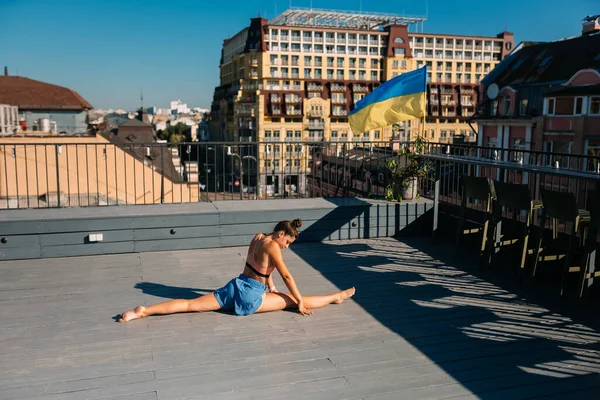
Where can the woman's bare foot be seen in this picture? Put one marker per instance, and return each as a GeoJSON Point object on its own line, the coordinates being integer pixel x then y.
{"type": "Point", "coordinates": [345, 294]}
{"type": "Point", "coordinates": [130, 315]}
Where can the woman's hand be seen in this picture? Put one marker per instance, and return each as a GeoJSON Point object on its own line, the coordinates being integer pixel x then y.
{"type": "Point", "coordinates": [273, 289]}
{"type": "Point", "coordinates": [303, 310]}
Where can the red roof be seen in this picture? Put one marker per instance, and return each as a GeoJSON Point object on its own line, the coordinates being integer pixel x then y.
{"type": "Point", "coordinates": [28, 94]}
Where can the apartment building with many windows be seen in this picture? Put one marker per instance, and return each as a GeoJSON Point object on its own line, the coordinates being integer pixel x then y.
{"type": "Point", "coordinates": [295, 79]}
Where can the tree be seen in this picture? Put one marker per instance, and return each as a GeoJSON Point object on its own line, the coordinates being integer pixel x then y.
{"type": "Point", "coordinates": [175, 133]}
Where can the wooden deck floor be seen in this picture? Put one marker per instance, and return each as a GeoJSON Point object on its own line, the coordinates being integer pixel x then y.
{"type": "Point", "coordinates": [423, 325]}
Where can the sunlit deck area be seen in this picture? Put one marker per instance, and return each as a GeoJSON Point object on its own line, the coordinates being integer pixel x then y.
{"type": "Point", "coordinates": [424, 324]}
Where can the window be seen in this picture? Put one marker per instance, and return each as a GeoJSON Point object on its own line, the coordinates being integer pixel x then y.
{"type": "Point", "coordinates": [494, 109]}
{"type": "Point", "coordinates": [578, 105]}
{"type": "Point", "coordinates": [523, 107]}
{"type": "Point", "coordinates": [560, 147]}
{"type": "Point", "coordinates": [564, 106]}
{"type": "Point", "coordinates": [276, 135]}
{"type": "Point", "coordinates": [551, 104]}
{"type": "Point", "coordinates": [398, 40]}
{"type": "Point", "coordinates": [506, 105]}
{"type": "Point", "coordinates": [377, 134]}
{"type": "Point", "coordinates": [595, 106]}
{"type": "Point", "coordinates": [289, 134]}
{"type": "Point", "coordinates": [593, 149]}
{"type": "Point", "coordinates": [395, 64]}
{"type": "Point", "coordinates": [267, 134]}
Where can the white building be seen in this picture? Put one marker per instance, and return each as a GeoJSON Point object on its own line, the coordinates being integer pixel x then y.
{"type": "Point", "coordinates": [177, 107]}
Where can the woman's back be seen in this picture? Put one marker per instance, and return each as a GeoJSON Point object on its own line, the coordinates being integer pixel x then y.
{"type": "Point", "coordinates": [258, 256]}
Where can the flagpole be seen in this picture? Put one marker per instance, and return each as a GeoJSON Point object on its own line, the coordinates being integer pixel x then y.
{"type": "Point", "coordinates": [425, 106]}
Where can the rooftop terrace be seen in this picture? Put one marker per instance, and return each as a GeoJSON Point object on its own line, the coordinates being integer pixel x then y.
{"type": "Point", "coordinates": [423, 324]}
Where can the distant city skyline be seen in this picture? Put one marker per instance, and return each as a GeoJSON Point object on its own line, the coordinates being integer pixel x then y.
{"type": "Point", "coordinates": [109, 52]}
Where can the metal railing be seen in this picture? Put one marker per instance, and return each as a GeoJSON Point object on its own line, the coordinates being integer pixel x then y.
{"type": "Point", "coordinates": [447, 164]}
{"type": "Point", "coordinates": [71, 174]}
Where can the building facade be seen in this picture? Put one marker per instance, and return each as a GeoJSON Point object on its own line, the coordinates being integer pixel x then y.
{"type": "Point", "coordinates": [546, 97]}
{"type": "Point", "coordinates": [295, 79]}
{"type": "Point", "coordinates": [44, 107]}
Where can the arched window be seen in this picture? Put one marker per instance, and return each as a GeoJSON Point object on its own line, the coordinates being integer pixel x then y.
{"type": "Point", "coordinates": [398, 40]}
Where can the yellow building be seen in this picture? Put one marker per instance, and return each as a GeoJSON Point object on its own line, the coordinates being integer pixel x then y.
{"type": "Point", "coordinates": [296, 78]}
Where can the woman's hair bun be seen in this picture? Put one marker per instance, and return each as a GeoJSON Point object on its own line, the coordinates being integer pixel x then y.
{"type": "Point", "coordinates": [297, 223]}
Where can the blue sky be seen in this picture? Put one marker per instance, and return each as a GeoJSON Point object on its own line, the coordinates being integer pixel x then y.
{"type": "Point", "coordinates": [110, 50]}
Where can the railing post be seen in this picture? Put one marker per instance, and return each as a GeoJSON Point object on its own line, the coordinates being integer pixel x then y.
{"type": "Point", "coordinates": [242, 179]}
{"type": "Point", "coordinates": [436, 196]}
{"type": "Point", "coordinates": [162, 174]}
{"type": "Point", "coordinates": [57, 175]}
{"type": "Point", "coordinates": [344, 169]}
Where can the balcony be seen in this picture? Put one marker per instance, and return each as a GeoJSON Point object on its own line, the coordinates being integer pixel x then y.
{"type": "Point", "coordinates": [245, 112]}
{"type": "Point", "coordinates": [340, 113]}
{"type": "Point", "coordinates": [313, 87]}
{"type": "Point", "coordinates": [293, 112]}
{"type": "Point", "coordinates": [360, 89]}
{"type": "Point", "coordinates": [338, 88]}
{"type": "Point", "coordinates": [293, 99]}
{"type": "Point", "coordinates": [316, 126]}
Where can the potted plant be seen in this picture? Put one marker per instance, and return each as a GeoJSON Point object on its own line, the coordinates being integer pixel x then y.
{"type": "Point", "coordinates": [405, 171]}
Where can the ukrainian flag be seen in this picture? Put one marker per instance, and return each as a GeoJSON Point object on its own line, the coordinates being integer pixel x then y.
{"type": "Point", "coordinates": [399, 99]}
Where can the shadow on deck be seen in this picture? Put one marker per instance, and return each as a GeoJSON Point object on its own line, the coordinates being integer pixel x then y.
{"type": "Point", "coordinates": [495, 338]}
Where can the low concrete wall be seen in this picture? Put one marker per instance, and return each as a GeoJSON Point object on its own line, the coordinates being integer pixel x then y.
{"type": "Point", "coordinates": [45, 233]}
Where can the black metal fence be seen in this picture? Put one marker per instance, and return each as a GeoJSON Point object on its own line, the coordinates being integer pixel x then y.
{"type": "Point", "coordinates": [68, 174]}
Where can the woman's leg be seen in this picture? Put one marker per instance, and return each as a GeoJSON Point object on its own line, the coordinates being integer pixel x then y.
{"type": "Point", "coordinates": [204, 303]}
{"type": "Point", "coordinates": [280, 301]}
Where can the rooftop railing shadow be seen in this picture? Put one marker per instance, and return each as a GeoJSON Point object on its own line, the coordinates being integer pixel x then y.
{"type": "Point", "coordinates": [495, 342]}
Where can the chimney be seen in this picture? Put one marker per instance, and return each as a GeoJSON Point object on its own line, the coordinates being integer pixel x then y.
{"type": "Point", "coordinates": [591, 24]}
{"type": "Point", "coordinates": [5, 70]}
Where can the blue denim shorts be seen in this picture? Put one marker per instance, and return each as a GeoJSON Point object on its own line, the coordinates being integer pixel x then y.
{"type": "Point", "coordinates": [243, 295]}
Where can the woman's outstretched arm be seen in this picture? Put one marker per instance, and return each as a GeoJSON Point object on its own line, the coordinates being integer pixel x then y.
{"type": "Point", "coordinates": [275, 253]}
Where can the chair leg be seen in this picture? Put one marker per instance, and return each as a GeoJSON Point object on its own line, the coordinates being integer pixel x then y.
{"type": "Point", "coordinates": [523, 253]}
{"type": "Point", "coordinates": [538, 247]}
{"type": "Point", "coordinates": [461, 221]}
{"type": "Point", "coordinates": [586, 258]}
{"type": "Point", "coordinates": [568, 257]}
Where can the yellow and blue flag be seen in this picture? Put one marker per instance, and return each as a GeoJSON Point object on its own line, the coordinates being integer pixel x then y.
{"type": "Point", "coordinates": [399, 99]}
